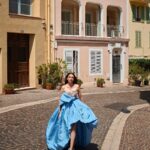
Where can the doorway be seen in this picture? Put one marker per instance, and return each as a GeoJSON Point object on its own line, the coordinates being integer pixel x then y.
{"type": "Point", "coordinates": [116, 68]}
{"type": "Point", "coordinates": [18, 59]}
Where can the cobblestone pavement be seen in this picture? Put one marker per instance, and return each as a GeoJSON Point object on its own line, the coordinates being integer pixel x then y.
{"type": "Point", "coordinates": [41, 94]}
{"type": "Point", "coordinates": [24, 129]}
{"type": "Point", "coordinates": [136, 133]}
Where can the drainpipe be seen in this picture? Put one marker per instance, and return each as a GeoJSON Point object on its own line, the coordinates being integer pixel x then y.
{"type": "Point", "coordinates": [48, 32]}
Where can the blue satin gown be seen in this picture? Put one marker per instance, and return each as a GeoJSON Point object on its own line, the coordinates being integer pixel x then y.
{"type": "Point", "coordinates": [73, 110]}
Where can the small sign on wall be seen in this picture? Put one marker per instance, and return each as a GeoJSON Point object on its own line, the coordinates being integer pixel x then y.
{"type": "Point", "coordinates": [117, 45]}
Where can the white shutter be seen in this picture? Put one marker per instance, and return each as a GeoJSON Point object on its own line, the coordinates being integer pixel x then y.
{"type": "Point", "coordinates": [95, 66]}
{"type": "Point", "coordinates": [69, 60]}
{"type": "Point", "coordinates": [98, 62]}
{"type": "Point", "coordinates": [92, 62]}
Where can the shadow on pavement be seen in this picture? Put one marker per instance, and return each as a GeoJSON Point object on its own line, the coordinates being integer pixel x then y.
{"type": "Point", "coordinates": [118, 106]}
{"type": "Point", "coordinates": [145, 95]}
{"type": "Point", "coordinates": [92, 146]}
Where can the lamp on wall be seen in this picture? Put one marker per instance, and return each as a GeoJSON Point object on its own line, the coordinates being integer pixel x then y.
{"type": "Point", "coordinates": [51, 29]}
{"type": "Point", "coordinates": [109, 52]}
{"type": "Point", "coordinates": [43, 24]}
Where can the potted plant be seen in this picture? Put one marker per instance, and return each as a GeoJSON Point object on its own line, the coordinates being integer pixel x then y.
{"type": "Point", "coordinates": [146, 82]}
{"type": "Point", "coordinates": [136, 73]}
{"type": "Point", "coordinates": [79, 82]}
{"type": "Point", "coordinates": [42, 71]}
{"type": "Point", "coordinates": [100, 82]}
{"type": "Point", "coordinates": [9, 88]}
{"type": "Point", "coordinates": [138, 82]}
{"type": "Point", "coordinates": [49, 83]}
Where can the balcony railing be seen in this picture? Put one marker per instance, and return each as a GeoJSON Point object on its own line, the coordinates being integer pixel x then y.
{"type": "Point", "coordinates": [114, 31]}
{"type": "Point", "coordinates": [140, 1]}
{"type": "Point", "coordinates": [70, 28]}
{"type": "Point", "coordinates": [91, 29]}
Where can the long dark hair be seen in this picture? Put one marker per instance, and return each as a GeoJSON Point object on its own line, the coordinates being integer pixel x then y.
{"type": "Point", "coordinates": [75, 78]}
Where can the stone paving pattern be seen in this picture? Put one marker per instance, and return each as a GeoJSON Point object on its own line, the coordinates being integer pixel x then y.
{"type": "Point", "coordinates": [41, 94]}
{"type": "Point", "coordinates": [24, 129]}
{"type": "Point", "coordinates": [136, 133]}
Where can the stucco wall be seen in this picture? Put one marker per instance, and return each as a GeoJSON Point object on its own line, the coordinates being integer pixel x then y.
{"type": "Point", "coordinates": [26, 25]}
{"type": "Point", "coordinates": [144, 27]}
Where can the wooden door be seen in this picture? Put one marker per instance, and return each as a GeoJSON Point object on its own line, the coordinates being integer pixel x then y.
{"type": "Point", "coordinates": [18, 59]}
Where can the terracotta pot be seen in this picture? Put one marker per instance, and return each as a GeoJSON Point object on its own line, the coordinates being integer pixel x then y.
{"type": "Point", "coordinates": [137, 82]}
{"type": "Point", "coordinates": [99, 85]}
{"type": "Point", "coordinates": [49, 86]}
{"type": "Point", "coordinates": [44, 86]}
{"type": "Point", "coordinates": [9, 91]}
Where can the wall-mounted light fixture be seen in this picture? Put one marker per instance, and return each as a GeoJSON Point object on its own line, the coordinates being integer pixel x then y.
{"type": "Point", "coordinates": [51, 29]}
{"type": "Point", "coordinates": [109, 52]}
{"type": "Point", "coordinates": [43, 24]}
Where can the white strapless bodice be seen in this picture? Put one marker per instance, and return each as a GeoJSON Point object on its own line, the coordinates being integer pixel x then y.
{"type": "Point", "coordinates": [73, 92]}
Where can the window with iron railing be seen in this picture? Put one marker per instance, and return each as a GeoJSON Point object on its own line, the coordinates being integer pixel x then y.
{"type": "Point", "coordinates": [114, 31]}
{"type": "Point", "coordinates": [138, 13]}
{"type": "Point", "coordinates": [22, 7]}
{"type": "Point", "coordinates": [69, 27]}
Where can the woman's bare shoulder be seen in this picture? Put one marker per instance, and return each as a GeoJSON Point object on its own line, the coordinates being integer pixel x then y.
{"type": "Point", "coordinates": [63, 87]}
{"type": "Point", "coordinates": [77, 86]}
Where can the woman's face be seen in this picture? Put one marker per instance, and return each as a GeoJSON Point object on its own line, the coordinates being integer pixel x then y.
{"type": "Point", "coordinates": [70, 78]}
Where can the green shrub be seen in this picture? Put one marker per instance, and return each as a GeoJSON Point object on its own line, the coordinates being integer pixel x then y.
{"type": "Point", "coordinates": [10, 86]}
{"type": "Point", "coordinates": [51, 72]}
{"type": "Point", "coordinates": [143, 63]}
{"type": "Point", "coordinates": [139, 69]}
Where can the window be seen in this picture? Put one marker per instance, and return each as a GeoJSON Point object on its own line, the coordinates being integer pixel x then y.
{"type": "Point", "coordinates": [148, 14]}
{"type": "Point", "coordinates": [20, 7]}
{"type": "Point", "coordinates": [138, 42]}
{"type": "Point", "coordinates": [95, 62]}
{"type": "Point", "coordinates": [138, 13]}
{"type": "Point", "coordinates": [71, 58]}
{"type": "Point", "coordinates": [88, 17]}
{"type": "Point", "coordinates": [66, 16]}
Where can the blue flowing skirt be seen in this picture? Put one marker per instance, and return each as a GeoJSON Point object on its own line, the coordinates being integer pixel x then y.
{"type": "Point", "coordinates": [73, 110]}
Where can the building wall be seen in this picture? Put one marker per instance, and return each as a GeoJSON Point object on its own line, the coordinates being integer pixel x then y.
{"type": "Point", "coordinates": [26, 25]}
{"type": "Point", "coordinates": [80, 43]}
{"type": "Point", "coordinates": [84, 48]}
{"type": "Point", "coordinates": [84, 58]}
{"type": "Point", "coordinates": [144, 27]}
{"type": "Point", "coordinates": [103, 4]}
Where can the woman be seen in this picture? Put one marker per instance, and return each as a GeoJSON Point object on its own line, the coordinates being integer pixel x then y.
{"type": "Point", "coordinates": [72, 121]}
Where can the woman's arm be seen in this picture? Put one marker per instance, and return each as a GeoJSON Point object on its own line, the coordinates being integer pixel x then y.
{"type": "Point", "coordinates": [59, 94]}
{"type": "Point", "coordinates": [79, 93]}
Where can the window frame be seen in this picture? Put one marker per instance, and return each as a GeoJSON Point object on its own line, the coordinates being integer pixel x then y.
{"type": "Point", "coordinates": [138, 39]}
{"type": "Point", "coordinates": [18, 11]}
{"type": "Point", "coordinates": [138, 13]}
{"type": "Point", "coordinates": [71, 50]}
{"type": "Point", "coordinates": [101, 61]}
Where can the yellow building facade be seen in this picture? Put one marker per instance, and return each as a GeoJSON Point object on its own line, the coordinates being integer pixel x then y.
{"type": "Point", "coordinates": [24, 36]}
{"type": "Point", "coordinates": [139, 28]}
